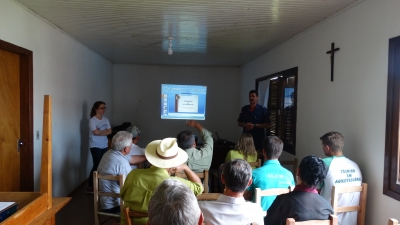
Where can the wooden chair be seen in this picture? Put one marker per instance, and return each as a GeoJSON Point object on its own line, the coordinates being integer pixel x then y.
{"type": "Point", "coordinates": [269, 192]}
{"type": "Point", "coordinates": [332, 221]}
{"type": "Point", "coordinates": [360, 208]}
{"type": "Point", "coordinates": [132, 214]}
{"type": "Point", "coordinates": [256, 164]}
{"type": "Point", "coordinates": [294, 163]}
{"type": "Point", "coordinates": [202, 175]}
{"type": "Point", "coordinates": [208, 196]}
{"type": "Point", "coordinates": [393, 221]}
{"type": "Point", "coordinates": [97, 193]}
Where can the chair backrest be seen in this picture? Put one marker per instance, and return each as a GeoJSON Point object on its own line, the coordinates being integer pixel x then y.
{"type": "Point", "coordinates": [256, 164]}
{"type": "Point", "coordinates": [393, 221]}
{"type": "Point", "coordinates": [208, 196]}
{"type": "Point", "coordinates": [332, 221]}
{"type": "Point", "coordinates": [97, 193]}
{"type": "Point", "coordinates": [294, 163]}
{"type": "Point", "coordinates": [270, 192]}
{"type": "Point", "coordinates": [336, 190]}
{"type": "Point", "coordinates": [132, 214]}
{"type": "Point", "coordinates": [202, 175]}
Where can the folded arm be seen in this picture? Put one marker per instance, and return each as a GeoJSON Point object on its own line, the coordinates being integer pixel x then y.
{"type": "Point", "coordinates": [98, 132]}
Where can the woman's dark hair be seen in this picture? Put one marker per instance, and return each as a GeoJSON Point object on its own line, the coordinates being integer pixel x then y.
{"type": "Point", "coordinates": [96, 105]}
{"type": "Point", "coordinates": [312, 171]}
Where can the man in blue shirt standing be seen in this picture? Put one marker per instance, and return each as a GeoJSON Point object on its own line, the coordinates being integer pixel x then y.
{"type": "Point", "coordinates": [254, 118]}
{"type": "Point", "coordinates": [271, 174]}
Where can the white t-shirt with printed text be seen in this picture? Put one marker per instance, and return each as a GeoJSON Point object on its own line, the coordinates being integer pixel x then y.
{"type": "Point", "coordinates": [342, 172]}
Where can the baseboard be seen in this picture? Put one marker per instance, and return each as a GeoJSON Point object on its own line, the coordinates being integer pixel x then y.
{"type": "Point", "coordinates": [78, 187]}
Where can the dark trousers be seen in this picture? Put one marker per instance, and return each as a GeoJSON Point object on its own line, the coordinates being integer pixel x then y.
{"type": "Point", "coordinates": [97, 154]}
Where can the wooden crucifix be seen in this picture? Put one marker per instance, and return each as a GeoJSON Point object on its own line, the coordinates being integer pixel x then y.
{"type": "Point", "coordinates": [332, 53]}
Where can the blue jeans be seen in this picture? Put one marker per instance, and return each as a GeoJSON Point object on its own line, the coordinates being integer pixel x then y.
{"type": "Point", "coordinates": [97, 154]}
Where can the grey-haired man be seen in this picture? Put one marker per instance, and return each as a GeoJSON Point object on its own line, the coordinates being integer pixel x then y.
{"type": "Point", "coordinates": [230, 207]}
{"type": "Point", "coordinates": [173, 203]}
{"type": "Point", "coordinates": [114, 162]}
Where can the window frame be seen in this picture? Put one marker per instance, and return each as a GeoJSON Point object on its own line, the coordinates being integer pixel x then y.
{"type": "Point", "coordinates": [293, 72]}
{"type": "Point", "coordinates": [391, 187]}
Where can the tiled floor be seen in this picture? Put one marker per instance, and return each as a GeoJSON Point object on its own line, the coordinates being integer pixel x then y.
{"type": "Point", "coordinates": [79, 211]}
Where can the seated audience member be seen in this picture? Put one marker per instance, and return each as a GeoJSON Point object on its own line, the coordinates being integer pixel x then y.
{"type": "Point", "coordinates": [341, 172]}
{"type": "Point", "coordinates": [137, 153]}
{"type": "Point", "coordinates": [244, 149]}
{"type": "Point", "coordinates": [114, 162]}
{"type": "Point", "coordinates": [230, 207]}
{"type": "Point", "coordinates": [166, 159]}
{"type": "Point", "coordinates": [199, 159]}
{"type": "Point", "coordinates": [271, 174]}
{"type": "Point", "coordinates": [304, 203]}
{"type": "Point", "coordinates": [173, 203]}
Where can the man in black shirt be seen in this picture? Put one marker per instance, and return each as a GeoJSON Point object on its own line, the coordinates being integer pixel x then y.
{"type": "Point", "coordinates": [254, 118]}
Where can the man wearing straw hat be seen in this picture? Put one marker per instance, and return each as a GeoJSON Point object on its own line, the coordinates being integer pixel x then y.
{"type": "Point", "coordinates": [166, 159]}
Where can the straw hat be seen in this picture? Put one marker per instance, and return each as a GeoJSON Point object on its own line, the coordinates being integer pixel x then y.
{"type": "Point", "coordinates": [165, 153]}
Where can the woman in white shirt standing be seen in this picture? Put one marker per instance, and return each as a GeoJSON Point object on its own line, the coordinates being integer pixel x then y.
{"type": "Point", "coordinates": [99, 128]}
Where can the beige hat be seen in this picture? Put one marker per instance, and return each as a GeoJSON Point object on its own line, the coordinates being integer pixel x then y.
{"type": "Point", "coordinates": [165, 153]}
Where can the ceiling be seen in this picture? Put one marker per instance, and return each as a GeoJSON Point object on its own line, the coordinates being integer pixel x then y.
{"type": "Point", "coordinates": [206, 32]}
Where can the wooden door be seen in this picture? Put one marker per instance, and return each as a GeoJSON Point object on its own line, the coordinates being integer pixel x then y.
{"type": "Point", "coordinates": [9, 121]}
{"type": "Point", "coordinates": [16, 118]}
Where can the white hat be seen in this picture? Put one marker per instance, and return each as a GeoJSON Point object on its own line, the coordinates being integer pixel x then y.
{"type": "Point", "coordinates": [165, 153]}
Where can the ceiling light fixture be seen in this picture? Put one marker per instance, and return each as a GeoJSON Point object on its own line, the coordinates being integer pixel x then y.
{"type": "Point", "coordinates": [170, 45]}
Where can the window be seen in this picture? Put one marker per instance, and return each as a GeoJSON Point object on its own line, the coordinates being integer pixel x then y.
{"type": "Point", "coordinates": [278, 92]}
{"type": "Point", "coordinates": [391, 178]}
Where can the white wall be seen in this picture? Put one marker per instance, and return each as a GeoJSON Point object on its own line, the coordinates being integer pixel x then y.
{"type": "Point", "coordinates": [355, 103]}
{"type": "Point", "coordinates": [137, 93]}
{"type": "Point", "coordinates": [74, 76]}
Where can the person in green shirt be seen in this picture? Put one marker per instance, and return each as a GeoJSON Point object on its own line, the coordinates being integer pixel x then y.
{"type": "Point", "coordinates": [166, 159]}
{"type": "Point", "coordinates": [244, 149]}
{"type": "Point", "coordinates": [199, 159]}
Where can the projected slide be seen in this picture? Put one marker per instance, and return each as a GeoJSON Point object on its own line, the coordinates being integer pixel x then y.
{"type": "Point", "coordinates": [186, 102]}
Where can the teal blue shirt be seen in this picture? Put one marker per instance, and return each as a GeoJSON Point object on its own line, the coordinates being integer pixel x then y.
{"type": "Point", "coordinates": [271, 175]}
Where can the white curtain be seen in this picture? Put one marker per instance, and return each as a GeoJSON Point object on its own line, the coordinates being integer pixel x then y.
{"type": "Point", "coordinates": [263, 92]}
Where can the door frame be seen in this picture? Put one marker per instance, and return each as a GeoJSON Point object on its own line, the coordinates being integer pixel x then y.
{"type": "Point", "coordinates": [26, 113]}
{"type": "Point", "coordinates": [293, 72]}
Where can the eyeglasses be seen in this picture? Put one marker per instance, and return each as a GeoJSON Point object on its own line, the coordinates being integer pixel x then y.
{"type": "Point", "coordinates": [103, 108]}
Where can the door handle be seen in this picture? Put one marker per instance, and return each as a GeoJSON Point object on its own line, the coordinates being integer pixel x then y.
{"type": "Point", "coordinates": [19, 144]}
